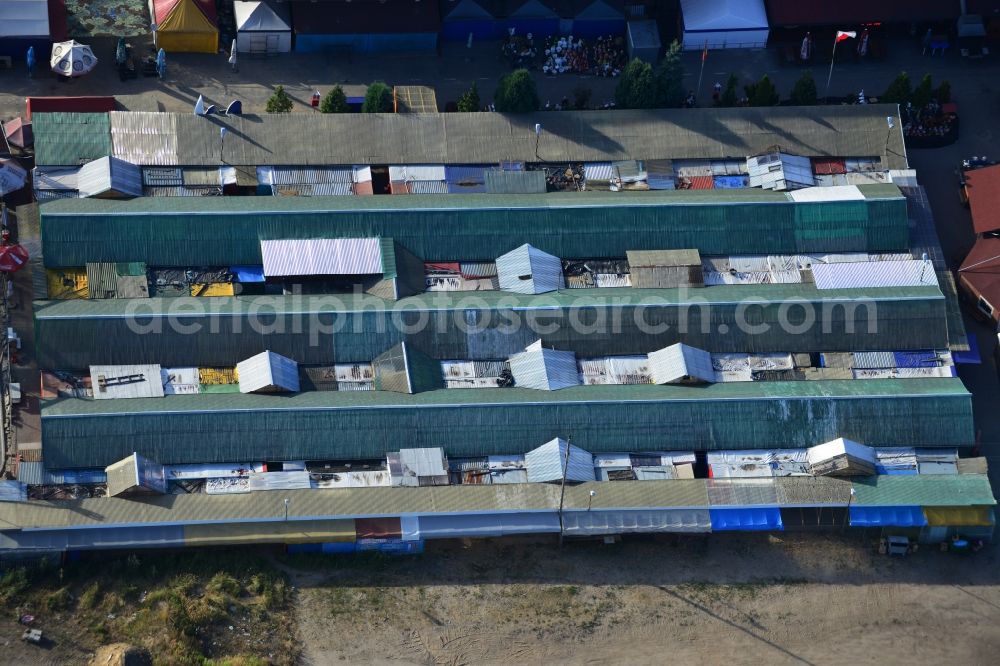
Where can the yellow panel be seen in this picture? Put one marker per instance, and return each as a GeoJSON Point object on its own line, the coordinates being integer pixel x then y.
{"type": "Point", "coordinates": [186, 17]}
{"type": "Point", "coordinates": [213, 289]}
{"type": "Point", "coordinates": [312, 531]}
{"type": "Point", "coordinates": [188, 42]}
{"type": "Point", "coordinates": [217, 376]}
{"type": "Point", "coordinates": [66, 283]}
{"type": "Point", "coordinates": [957, 516]}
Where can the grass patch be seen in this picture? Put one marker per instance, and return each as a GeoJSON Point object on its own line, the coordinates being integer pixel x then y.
{"type": "Point", "coordinates": [178, 606]}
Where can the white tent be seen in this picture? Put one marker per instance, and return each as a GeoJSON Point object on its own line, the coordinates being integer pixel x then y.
{"type": "Point", "coordinates": [24, 18]}
{"type": "Point", "coordinates": [262, 27]}
{"type": "Point", "coordinates": [724, 24]}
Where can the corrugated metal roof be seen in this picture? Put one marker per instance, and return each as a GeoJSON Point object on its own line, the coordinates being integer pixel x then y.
{"type": "Point", "coordinates": [932, 490]}
{"type": "Point", "coordinates": [458, 138]}
{"type": "Point", "coordinates": [427, 187]}
{"type": "Point", "coordinates": [909, 273]}
{"type": "Point", "coordinates": [544, 369]}
{"type": "Point", "coordinates": [110, 174]}
{"type": "Point", "coordinates": [528, 270]}
{"type": "Point", "coordinates": [313, 190]}
{"type": "Point", "coordinates": [162, 176]}
{"type": "Point", "coordinates": [657, 258]}
{"type": "Point", "coordinates": [302, 175]}
{"type": "Point", "coordinates": [56, 178]}
{"type": "Point", "coordinates": [731, 492]}
{"type": "Point", "coordinates": [70, 139]}
{"type": "Point", "coordinates": [328, 256]}
{"type": "Point", "coordinates": [549, 461]}
{"type": "Point", "coordinates": [151, 139]}
{"type": "Point", "coordinates": [76, 333]}
{"type": "Point", "coordinates": [406, 173]}
{"type": "Point", "coordinates": [82, 433]}
{"type": "Point", "coordinates": [680, 362]}
{"type": "Point", "coordinates": [268, 372]}
{"type": "Point", "coordinates": [126, 381]}
{"type": "Point", "coordinates": [170, 231]}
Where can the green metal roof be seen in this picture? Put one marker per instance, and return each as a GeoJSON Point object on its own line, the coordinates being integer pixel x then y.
{"type": "Point", "coordinates": [73, 334]}
{"type": "Point", "coordinates": [924, 490]}
{"type": "Point", "coordinates": [70, 139]}
{"type": "Point", "coordinates": [367, 424]}
{"type": "Point", "coordinates": [221, 231]}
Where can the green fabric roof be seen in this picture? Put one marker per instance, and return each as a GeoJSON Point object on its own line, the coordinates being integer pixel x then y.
{"type": "Point", "coordinates": [70, 139]}
{"type": "Point", "coordinates": [222, 231]}
{"type": "Point", "coordinates": [73, 334]}
{"type": "Point", "coordinates": [924, 490]}
{"type": "Point", "coordinates": [470, 422]}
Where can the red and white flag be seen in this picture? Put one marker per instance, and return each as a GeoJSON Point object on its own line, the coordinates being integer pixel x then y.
{"type": "Point", "coordinates": [842, 35]}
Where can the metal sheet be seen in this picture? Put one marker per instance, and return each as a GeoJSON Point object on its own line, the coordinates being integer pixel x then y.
{"type": "Point", "coordinates": [126, 381]}
{"type": "Point", "coordinates": [549, 461]}
{"type": "Point", "coordinates": [912, 273]}
{"type": "Point", "coordinates": [327, 256]}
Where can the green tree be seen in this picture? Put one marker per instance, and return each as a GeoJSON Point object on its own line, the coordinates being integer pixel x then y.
{"type": "Point", "coordinates": [943, 94]}
{"type": "Point", "coordinates": [516, 93]}
{"type": "Point", "coordinates": [670, 78]}
{"type": "Point", "coordinates": [899, 90]}
{"type": "Point", "coordinates": [335, 101]}
{"type": "Point", "coordinates": [804, 93]}
{"type": "Point", "coordinates": [729, 94]}
{"type": "Point", "coordinates": [378, 99]}
{"type": "Point", "coordinates": [279, 101]}
{"type": "Point", "coordinates": [923, 93]}
{"type": "Point", "coordinates": [762, 93]}
{"type": "Point", "coordinates": [637, 86]}
{"type": "Point", "coordinates": [469, 101]}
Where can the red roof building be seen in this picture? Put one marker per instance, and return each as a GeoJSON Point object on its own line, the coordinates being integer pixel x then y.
{"type": "Point", "coordinates": [982, 187]}
{"type": "Point", "coordinates": [979, 276]}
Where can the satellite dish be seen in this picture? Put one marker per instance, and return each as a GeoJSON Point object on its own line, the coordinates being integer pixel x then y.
{"type": "Point", "coordinates": [235, 108]}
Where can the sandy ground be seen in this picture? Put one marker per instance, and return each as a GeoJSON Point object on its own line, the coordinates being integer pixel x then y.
{"type": "Point", "coordinates": [796, 600]}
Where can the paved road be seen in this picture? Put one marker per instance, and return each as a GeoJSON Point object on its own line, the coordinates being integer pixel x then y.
{"type": "Point", "coordinates": [455, 67]}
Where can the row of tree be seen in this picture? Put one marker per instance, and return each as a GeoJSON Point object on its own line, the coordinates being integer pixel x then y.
{"type": "Point", "coordinates": [641, 87]}
{"type": "Point", "coordinates": [378, 99]}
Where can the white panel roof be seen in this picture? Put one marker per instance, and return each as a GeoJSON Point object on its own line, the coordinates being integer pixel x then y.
{"type": "Point", "coordinates": [723, 14]}
{"type": "Point", "coordinates": [25, 18]}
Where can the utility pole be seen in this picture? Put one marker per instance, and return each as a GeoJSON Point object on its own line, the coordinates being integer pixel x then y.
{"type": "Point", "coordinates": [562, 488]}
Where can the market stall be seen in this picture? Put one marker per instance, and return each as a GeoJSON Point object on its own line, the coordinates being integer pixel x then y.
{"type": "Point", "coordinates": [724, 24]}
{"type": "Point", "coordinates": [185, 26]}
{"type": "Point", "coordinates": [263, 27]}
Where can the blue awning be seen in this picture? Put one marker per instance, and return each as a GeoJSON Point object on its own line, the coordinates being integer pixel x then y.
{"type": "Point", "coordinates": [248, 273]}
{"type": "Point", "coordinates": [887, 516]}
{"type": "Point", "coordinates": [767, 518]}
{"type": "Point", "coordinates": [971, 356]}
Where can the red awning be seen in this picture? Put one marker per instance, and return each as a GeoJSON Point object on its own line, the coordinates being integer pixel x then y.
{"type": "Point", "coordinates": [983, 189]}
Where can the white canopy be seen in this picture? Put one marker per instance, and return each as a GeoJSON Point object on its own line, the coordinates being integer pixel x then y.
{"type": "Point", "coordinates": [724, 24]}
{"type": "Point", "coordinates": [24, 18]}
{"type": "Point", "coordinates": [261, 17]}
{"type": "Point", "coordinates": [262, 27]}
{"type": "Point", "coordinates": [72, 58]}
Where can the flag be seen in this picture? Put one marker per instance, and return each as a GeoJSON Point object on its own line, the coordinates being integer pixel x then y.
{"type": "Point", "coordinates": [704, 52]}
{"type": "Point", "coordinates": [841, 35]}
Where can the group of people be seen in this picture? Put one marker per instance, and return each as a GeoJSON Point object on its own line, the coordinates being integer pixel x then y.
{"type": "Point", "coordinates": [571, 55]}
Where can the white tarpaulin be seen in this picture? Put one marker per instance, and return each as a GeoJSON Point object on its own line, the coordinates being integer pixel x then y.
{"type": "Point", "coordinates": [263, 27]}
{"type": "Point", "coordinates": [724, 24]}
{"type": "Point", "coordinates": [24, 18]}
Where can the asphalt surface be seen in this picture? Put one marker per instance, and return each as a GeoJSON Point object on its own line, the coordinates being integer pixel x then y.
{"type": "Point", "coordinates": [454, 68]}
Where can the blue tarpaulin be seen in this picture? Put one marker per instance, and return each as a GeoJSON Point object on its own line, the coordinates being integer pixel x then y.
{"type": "Point", "coordinates": [887, 516]}
{"type": "Point", "coordinates": [248, 273]}
{"type": "Point", "coordinates": [916, 359]}
{"type": "Point", "coordinates": [971, 356]}
{"type": "Point", "coordinates": [731, 182]}
{"type": "Point", "coordinates": [767, 518]}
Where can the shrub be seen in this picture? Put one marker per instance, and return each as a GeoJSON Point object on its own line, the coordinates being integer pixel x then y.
{"type": "Point", "coordinates": [469, 101]}
{"type": "Point", "coordinates": [637, 86]}
{"type": "Point", "coordinates": [334, 101]}
{"type": "Point", "coordinates": [516, 93]}
{"type": "Point", "coordinates": [378, 99]}
{"type": "Point", "coordinates": [804, 93]}
{"type": "Point", "coordinates": [279, 102]}
{"type": "Point", "coordinates": [899, 90]}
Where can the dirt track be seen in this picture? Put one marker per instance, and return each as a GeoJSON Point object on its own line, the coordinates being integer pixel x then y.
{"type": "Point", "coordinates": [808, 600]}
